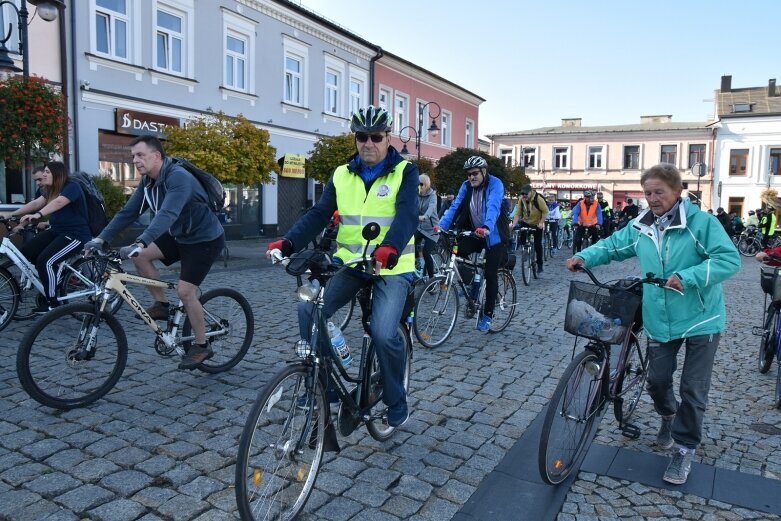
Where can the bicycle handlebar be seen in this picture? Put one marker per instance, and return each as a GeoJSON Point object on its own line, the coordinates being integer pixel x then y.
{"type": "Point", "coordinates": [648, 279]}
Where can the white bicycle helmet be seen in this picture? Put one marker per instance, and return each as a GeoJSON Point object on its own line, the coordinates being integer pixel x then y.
{"type": "Point", "coordinates": [475, 162]}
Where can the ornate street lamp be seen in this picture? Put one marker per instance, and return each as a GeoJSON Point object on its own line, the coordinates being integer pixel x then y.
{"type": "Point", "coordinates": [433, 128]}
{"type": "Point", "coordinates": [48, 10]}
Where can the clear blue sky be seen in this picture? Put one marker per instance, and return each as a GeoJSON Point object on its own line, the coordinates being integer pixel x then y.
{"type": "Point", "coordinates": [606, 61]}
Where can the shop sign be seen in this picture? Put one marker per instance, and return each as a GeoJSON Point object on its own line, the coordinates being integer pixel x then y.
{"type": "Point", "coordinates": [142, 123]}
{"type": "Point", "coordinates": [565, 186]}
{"type": "Point", "coordinates": [293, 165]}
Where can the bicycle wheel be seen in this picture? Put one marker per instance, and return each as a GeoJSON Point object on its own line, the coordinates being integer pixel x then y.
{"type": "Point", "coordinates": [778, 387]}
{"type": "Point", "coordinates": [631, 381]}
{"type": "Point", "coordinates": [526, 267]}
{"type": "Point", "coordinates": [506, 298]}
{"type": "Point", "coordinates": [344, 314]}
{"type": "Point", "coordinates": [569, 420]}
{"type": "Point", "coordinates": [545, 252]}
{"type": "Point", "coordinates": [533, 264]}
{"type": "Point", "coordinates": [53, 366]}
{"type": "Point", "coordinates": [281, 446]}
{"type": "Point", "coordinates": [378, 429]}
{"type": "Point", "coordinates": [767, 343]}
{"type": "Point", "coordinates": [91, 269]}
{"type": "Point", "coordinates": [9, 297]}
{"type": "Point", "coordinates": [748, 247]}
{"type": "Point", "coordinates": [230, 327]}
{"type": "Point", "coordinates": [28, 294]}
{"type": "Point", "coordinates": [436, 310]}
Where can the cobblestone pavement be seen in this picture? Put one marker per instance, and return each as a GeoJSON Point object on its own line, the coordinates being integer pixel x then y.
{"type": "Point", "coordinates": [162, 444]}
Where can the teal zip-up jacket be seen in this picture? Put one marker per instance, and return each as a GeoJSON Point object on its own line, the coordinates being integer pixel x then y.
{"type": "Point", "coordinates": [694, 247]}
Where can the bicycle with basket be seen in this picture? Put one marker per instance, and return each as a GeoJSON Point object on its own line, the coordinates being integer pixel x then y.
{"type": "Point", "coordinates": [608, 316]}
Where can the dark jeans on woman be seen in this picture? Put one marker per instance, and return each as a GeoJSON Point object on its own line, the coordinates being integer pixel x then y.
{"type": "Point", "coordinates": [495, 257]}
{"type": "Point", "coordinates": [695, 383]}
{"type": "Point", "coordinates": [46, 250]}
{"type": "Point", "coordinates": [428, 247]}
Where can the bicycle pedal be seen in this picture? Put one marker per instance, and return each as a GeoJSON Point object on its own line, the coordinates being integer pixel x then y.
{"type": "Point", "coordinates": [630, 431]}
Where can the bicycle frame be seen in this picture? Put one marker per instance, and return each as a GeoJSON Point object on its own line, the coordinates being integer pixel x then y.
{"type": "Point", "coordinates": [452, 274]}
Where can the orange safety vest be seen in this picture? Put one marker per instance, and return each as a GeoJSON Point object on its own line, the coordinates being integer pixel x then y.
{"type": "Point", "coordinates": [586, 217]}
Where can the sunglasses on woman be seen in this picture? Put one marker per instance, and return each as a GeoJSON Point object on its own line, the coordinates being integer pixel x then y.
{"type": "Point", "coordinates": [363, 137]}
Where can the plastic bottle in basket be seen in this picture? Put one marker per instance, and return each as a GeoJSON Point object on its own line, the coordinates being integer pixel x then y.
{"type": "Point", "coordinates": [605, 328]}
{"type": "Point", "coordinates": [340, 344]}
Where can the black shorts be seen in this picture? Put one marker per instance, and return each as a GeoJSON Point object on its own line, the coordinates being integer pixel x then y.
{"type": "Point", "coordinates": [197, 259]}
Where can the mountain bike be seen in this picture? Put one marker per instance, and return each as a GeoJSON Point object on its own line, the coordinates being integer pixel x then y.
{"type": "Point", "coordinates": [770, 331]}
{"type": "Point", "coordinates": [596, 376]}
{"type": "Point", "coordinates": [289, 425]}
{"type": "Point", "coordinates": [525, 241]}
{"type": "Point", "coordinates": [565, 236]}
{"type": "Point", "coordinates": [549, 245]}
{"type": "Point", "coordinates": [21, 288]}
{"type": "Point", "coordinates": [76, 353]}
{"type": "Point", "coordinates": [437, 304]}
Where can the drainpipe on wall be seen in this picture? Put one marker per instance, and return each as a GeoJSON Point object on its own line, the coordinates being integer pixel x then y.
{"type": "Point", "coordinates": [75, 97]}
{"type": "Point", "coordinates": [371, 73]}
{"type": "Point", "coordinates": [64, 86]}
{"type": "Point", "coordinates": [712, 166]}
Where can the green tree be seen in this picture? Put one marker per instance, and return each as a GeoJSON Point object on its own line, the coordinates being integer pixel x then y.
{"type": "Point", "coordinates": [329, 152]}
{"type": "Point", "coordinates": [449, 173]}
{"type": "Point", "coordinates": [231, 148]}
{"type": "Point", "coordinates": [515, 178]}
{"type": "Point", "coordinates": [33, 115]}
{"type": "Point", "coordinates": [113, 195]}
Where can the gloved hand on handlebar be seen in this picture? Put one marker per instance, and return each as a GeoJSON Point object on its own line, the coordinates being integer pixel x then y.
{"type": "Point", "coordinates": [436, 229]}
{"type": "Point", "coordinates": [128, 252]}
{"type": "Point", "coordinates": [283, 245]}
{"type": "Point", "coordinates": [387, 256]}
{"type": "Point", "coordinates": [481, 232]}
{"type": "Point", "coordinates": [93, 245]}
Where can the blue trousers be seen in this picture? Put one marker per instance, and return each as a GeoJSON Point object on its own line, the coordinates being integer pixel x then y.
{"type": "Point", "coordinates": [695, 383]}
{"type": "Point", "coordinates": [390, 294]}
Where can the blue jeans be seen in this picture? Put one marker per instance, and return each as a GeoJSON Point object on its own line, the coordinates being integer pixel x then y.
{"type": "Point", "coordinates": [390, 294]}
{"type": "Point", "coordinates": [695, 383]}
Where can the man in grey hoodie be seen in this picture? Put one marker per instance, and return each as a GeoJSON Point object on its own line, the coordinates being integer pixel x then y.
{"type": "Point", "coordinates": [183, 227]}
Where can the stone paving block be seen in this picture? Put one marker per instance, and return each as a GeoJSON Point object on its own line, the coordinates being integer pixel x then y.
{"type": "Point", "coordinates": [180, 474]}
{"type": "Point", "coordinates": [156, 465]}
{"type": "Point", "coordinates": [455, 491]}
{"type": "Point", "coordinates": [339, 509]}
{"type": "Point", "coordinates": [61, 515]}
{"type": "Point", "coordinates": [14, 501]}
{"type": "Point", "coordinates": [66, 460]}
{"type": "Point", "coordinates": [181, 508]}
{"type": "Point", "coordinates": [18, 439]}
{"type": "Point", "coordinates": [153, 497]}
{"type": "Point", "coordinates": [84, 498]}
{"type": "Point", "coordinates": [119, 510]}
{"type": "Point", "coordinates": [10, 460]}
{"type": "Point", "coordinates": [367, 494]}
{"type": "Point", "coordinates": [332, 483]}
{"type": "Point", "coordinates": [436, 509]}
{"type": "Point", "coordinates": [201, 487]}
{"type": "Point", "coordinates": [93, 470]}
{"type": "Point", "coordinates": [105, 446]}
{"type": "Point", "coordinates": [23, 473]}
{"type": "Point", "coordinates": [380, 477]}
{"type": "Point", "coordinates": [125, 483]}
{"type": "Point", "coordinates": [179, 450]}
{"type": "Point", "coordinates": [52, 484]}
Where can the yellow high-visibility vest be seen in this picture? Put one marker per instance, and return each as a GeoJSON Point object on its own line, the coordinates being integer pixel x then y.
{"type": "Point", "coordinates": [358, 208]}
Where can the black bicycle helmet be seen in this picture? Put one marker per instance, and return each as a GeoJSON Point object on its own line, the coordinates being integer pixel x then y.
{"type": "Point", "coordinates": [475, 162]}
{"type": "Point", "coordinates": [371, 119]}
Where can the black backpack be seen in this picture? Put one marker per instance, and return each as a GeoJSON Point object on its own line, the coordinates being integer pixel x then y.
{"type": "Point", "coordinates": [96, 206]}
{"type": "Point", "coordinates": [214, 190]}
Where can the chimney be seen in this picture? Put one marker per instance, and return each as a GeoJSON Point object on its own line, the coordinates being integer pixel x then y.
{"type": "Point", "coordinates": [571, 122]}
{"type": "Point", "coordinates": [726, 83]}
{"type": "Point", "coordinates": [664, 118]}
{"type": "Point", "coordinates": [771, 88]}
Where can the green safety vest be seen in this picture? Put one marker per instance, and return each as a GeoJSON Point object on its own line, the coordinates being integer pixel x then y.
{"type": "Point", "coordinates": [357, 208]}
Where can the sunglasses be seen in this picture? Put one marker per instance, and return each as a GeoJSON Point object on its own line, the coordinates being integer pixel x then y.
{"type": "Point", "coordinates": [473, 174]}
{"type": "Point", "coordinates": [363, 137]}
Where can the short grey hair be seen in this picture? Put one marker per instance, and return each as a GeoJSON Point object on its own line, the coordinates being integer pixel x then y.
{"type": "Point", "coordinates": [666, 173]}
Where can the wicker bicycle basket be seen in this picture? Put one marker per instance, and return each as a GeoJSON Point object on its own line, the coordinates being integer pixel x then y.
{"type": "Point", "coordinates": [770, 281]}
{"type": "Point", "coordinates": [610, 303]}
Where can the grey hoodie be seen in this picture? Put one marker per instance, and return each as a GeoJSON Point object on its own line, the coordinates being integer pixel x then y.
{"type": "Point", "coordinates": [179, 206]}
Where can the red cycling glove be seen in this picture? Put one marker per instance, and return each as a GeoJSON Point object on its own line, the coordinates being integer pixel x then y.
{"type": "Point", "coordinates": [283, 245]}
{"type": "Point", "coordinates": [481, 232]}
{"type": "Point", "coordinates": [387, 256]}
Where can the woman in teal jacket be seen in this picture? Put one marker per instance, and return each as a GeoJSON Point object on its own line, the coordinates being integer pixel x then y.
{"type": "Point", "coordinates": [676, 241]}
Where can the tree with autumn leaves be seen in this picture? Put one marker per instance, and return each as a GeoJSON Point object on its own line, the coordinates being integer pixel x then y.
{"type": "Point", "coordinates": [231, 148]}
{"type": "Point", "coordinates": [33, 115]}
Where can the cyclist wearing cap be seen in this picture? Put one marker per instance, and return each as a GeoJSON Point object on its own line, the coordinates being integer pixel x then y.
{"type": "Point", "coordinates": [376, 185]}
{"type": "Point", "coordinates": [532, 212]}
{"type": "Point", "coordinates": [478, 207]}
{"type": "Point", "coordinates": [587, 218]}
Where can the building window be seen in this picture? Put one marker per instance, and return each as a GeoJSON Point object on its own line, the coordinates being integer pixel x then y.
{"type": "Point", "coordinates": [111, 28]}
{"type": "Point", "coordinates": [507, 157]}
{"type": "Point", "coordinates": [445, 130]}
{"type": "Point", "coordinates": [332, 91]}
{"type": "Point", "coordinates": [529, 157]}
{"type": "Point", "coordinates": [595, 157]}
{"type": "Point", "coordinates": [170, 41]}
{"type": "Point", "coordinates": [738, 161]}
{"type": "Point", "coordinates": [385, 99]}
{"type": "Point", "coordinates": [561, 157]}
{"type": "Point", "coordinates": [469, 134]}
{"type": "Point", "coordinates": [293, 77]}
{"type": "Point", "coordinates": [735, 204]}
{"type": "Point", "coordinates": [632, 157]}
{"type": "Point", "coordinates": [423, 115]}
{"type": "Point", "coordinates": [356, 95]}
{"type": "Point", "coordinates": [775, 161]}
{"type": "Point", "coordinates": [400, 112]}
{"type": "Point", "coordinates": [669, 154]}
{"type": "Point", "coordinates": [235, 62]}
{"type": "Point", "coordinates": [696, 154]}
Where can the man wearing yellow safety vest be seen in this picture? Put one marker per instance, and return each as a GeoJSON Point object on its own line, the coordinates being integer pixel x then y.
{"type": "Point", "coordinates": [376, 185]}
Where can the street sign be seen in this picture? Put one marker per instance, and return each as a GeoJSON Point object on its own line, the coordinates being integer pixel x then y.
{"type": "Point", "coordinates": [699, 169]}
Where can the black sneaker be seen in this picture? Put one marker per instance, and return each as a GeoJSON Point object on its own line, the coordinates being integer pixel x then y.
{"type": "Point", "coordinates": [195, 356]}
{"type": "Point", "coordinates": [539, 268]}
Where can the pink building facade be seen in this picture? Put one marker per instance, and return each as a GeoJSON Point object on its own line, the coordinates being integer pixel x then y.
{"type": "Point", "coordinates": [408, 90]}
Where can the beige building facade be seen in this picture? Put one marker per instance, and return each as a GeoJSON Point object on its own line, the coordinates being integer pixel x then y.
{"type": "Point", "coordinates": [571, 158]}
